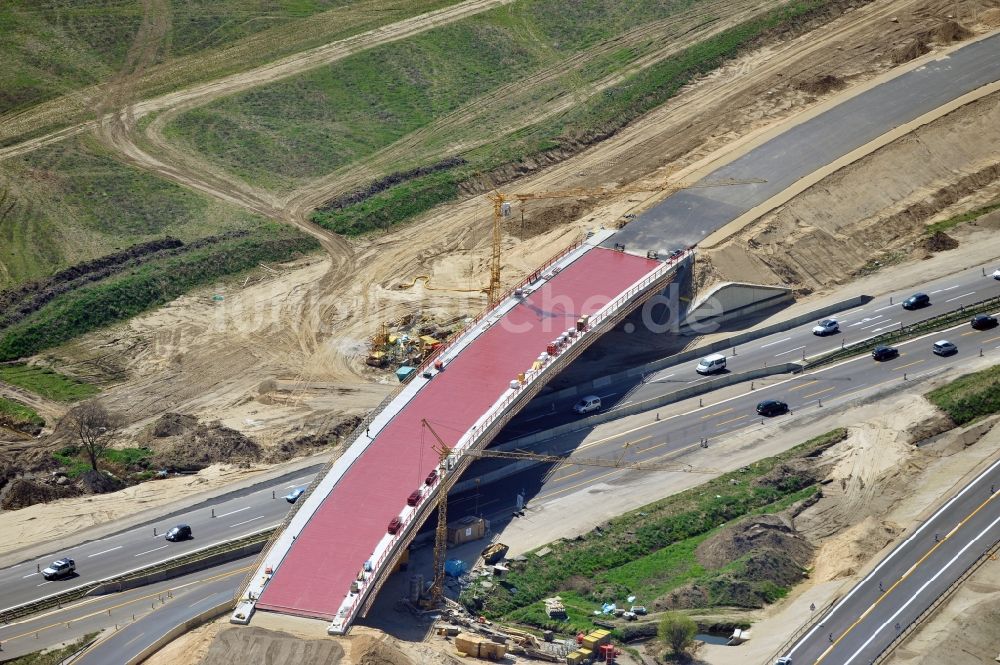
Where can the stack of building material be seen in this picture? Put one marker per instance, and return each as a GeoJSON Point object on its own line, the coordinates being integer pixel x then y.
{"type": "Point", "coordinates": [478, 647]}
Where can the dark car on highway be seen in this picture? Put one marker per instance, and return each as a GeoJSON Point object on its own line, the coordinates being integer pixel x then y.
{"type": "Point", "coordinates": [772, 407]}
{"type": "Point", "coordinates": [984, 322]}
{"type": "Point", "coordinates": [881, 353]}
{"type": "Point", "coordinates": [916, 301]}
{"type": "Point", "coordinates": [60, 568]}
{"type": "Point", "coordinates": [179, 532]}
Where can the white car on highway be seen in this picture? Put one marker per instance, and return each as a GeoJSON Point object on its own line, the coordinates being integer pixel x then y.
{"type": "Point", "coordinates": [996, 274]}
{"type": "Point", "coordinates": [826, 327]}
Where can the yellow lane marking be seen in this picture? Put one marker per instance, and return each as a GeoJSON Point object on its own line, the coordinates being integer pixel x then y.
{"type": "Point", "coordinates": [617, 436]}
{"type": "Point", "coordinates": [803, 385]}
{"type": "Point", "coordinates": [568, 475]}
{"type": "Point", "coordinates": [717, 413]}
{"type": "Point", "coordinates": [915, 362]}
{"type": "Point", "coordinates": [732, 420]}
{"type": "Point", "coordinates": [904, 577]}
{"type": "Point", "coordinates": [820, 392]}
{"type": "Point", "coordinates": [129, 602]}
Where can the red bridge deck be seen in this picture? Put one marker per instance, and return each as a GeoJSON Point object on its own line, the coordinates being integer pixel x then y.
{"type": "Point", "coordinates": [316, 573]}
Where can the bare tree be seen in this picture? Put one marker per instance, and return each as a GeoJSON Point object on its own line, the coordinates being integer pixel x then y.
{"type": "Point", "coordinates": [94, 427]}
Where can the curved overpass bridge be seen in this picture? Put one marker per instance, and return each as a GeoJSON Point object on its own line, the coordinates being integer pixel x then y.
{"type": "Point", "coordinates": [335, 551]}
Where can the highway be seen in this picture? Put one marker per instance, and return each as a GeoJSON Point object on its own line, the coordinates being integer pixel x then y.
{"type": "Point", "coordinates": [147, 611]}
{"type": "Point", "coordinates": [682, 426]}
{"type": "Point", "coordinates": [866, 621]}
{"type": "Point", "coordinates": [880, 315]}
{"type": "Point", "coordinates": [237, 514]}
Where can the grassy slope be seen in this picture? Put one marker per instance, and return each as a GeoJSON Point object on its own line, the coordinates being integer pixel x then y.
{"type": "Point", "coordinates": [969, 397]}
{"type": "Point", "coordinates": [47, 383]}
{"type": "Point", "coordinates": [312, 124]}
{"type": "Point", "coordinates": [72, 201]}
{"type": "Point", "coordinates": [149, 285]}
{"type": "Point", "coordinates": [18, 413]}
{"type": "Point", "coordinates": [598, 116]}
{"type": "Point", "coordinates": [52, 47]}
{"type": "Point", "coordinates": [649, 551]}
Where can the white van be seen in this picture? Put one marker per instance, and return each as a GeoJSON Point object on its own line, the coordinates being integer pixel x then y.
{"type": "Point", "coordinates": [588, 404]}
{"type": "Point", "coordinates": [712, 364]}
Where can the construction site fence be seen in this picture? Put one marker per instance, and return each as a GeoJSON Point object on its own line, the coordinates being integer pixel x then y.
{"type": "Point", "coordinates": [990, 553]}
{"type": "Point", "coordinates": [638, 373]}
{"type": "Point", "coordinates": [186, 563]}
{"type": "Point", "coordinates": [370, 417]}
{"type": "Point", "coordinates": [499, 414]}
{"type": "Point", "coordinates": [904, 333]}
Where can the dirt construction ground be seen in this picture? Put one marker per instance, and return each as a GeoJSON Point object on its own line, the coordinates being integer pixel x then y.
{"type": "Point", "coordinates": [281, 355]}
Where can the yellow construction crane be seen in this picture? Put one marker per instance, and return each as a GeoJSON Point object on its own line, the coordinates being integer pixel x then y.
{"type": "Point", "coordinates": [501, 209]}
{"type": "Point", "coordinates": [445, 451]}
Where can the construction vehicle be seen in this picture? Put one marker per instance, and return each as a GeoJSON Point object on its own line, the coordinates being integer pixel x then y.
{"type": "Point", "coordinates": [444, 451]}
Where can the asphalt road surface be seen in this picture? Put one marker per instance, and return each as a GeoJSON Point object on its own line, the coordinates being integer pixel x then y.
{"type": "Point", "coordinates": [116, 611]}
{"type": "Point", "coordinates": [235, 516]}
{"type": "Point", "coordinates": [686, 217]}
{"type": "Point", "coordinates": [879, 316]}
{"type": "Point", "coordinates": [909, 580]}
{"type": "Point", "coordinates": [683, 426]}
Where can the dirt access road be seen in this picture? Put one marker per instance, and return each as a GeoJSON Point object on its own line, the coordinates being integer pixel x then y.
{"type": "Point", "coordinates": [306, 325]}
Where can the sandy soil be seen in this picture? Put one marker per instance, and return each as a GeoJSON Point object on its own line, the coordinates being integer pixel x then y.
{"type": "Point", "coordinates": [888, 497]}
{"type": "Point", "coordinates": [320, 315]}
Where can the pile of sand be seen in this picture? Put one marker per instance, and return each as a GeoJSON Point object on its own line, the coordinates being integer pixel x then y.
{"type": "Point", "coordinates": [844, 555]}
{"type": "Point", "coordinates": [247, 644]}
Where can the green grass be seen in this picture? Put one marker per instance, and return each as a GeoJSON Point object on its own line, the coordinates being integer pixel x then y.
{"type": "Point", "coordinates": [17, 413]}
{"type": "Point", "coordinates": [970, 397]}
{"type": "Point", "coordinates": [55, 656]}
{"type": "Point", "coordinates": [970, 216]}
{"type": "Point", "coordinates": [73, 202]}
{"type": "Point", "coordinates": [598, 116]}
{"type": "Point", "coordinates": [650, 551]}
{"type": "Point", "coordinates": [52, 48]}
{"type": "Point", "coordinates": [125, 461]}
{"type": "Point", "coordinates": [46, 382]}
{"type": "Point", "coordinates": [147, 286]}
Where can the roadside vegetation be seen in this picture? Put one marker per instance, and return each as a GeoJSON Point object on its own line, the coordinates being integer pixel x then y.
{"type": "Point", "coordinates": [46, 382]}
{"type": "Point", "coordinates": [970, 216]}
{"type": "Point", "coordinates": [970, 397]}
{"type": "Point", "coordinates": [53, 656]}
{"type": "Point", "coordinates": [655, 553]}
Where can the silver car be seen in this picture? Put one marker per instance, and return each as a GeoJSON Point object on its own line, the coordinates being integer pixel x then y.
{"type": "Point", "coordinates": [826, 327]}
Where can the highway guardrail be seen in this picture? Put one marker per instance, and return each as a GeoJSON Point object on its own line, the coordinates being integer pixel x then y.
{"type": "Point", "coordinates": [904, 333]}
{"type": "Point", "coordinates": [161, 570]}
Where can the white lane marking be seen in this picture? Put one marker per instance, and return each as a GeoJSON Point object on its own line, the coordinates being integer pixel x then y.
{"type": "Point", "coordinates": [134, 639]}
{"type": "Point", "coordinates": [961, 296]}
{"type": "Point", "coordinates": [152, 550]}
{"type": "Point", "coordinates": [778, 342]}
{"type": "Point", "coordinates": [789, 351]}
{"type": "Point", "coordinates": [946, 289]}
{"type": "Point", "coordinates": [865, 320]}
{"type": "Point", "coordinates": [609, 395]}
{"type": "Point", "coordinates": [891, 325]}
{"type": "Point", "coordinates": [44, 583]}
{"type": "Point", "coordinates": [27, 576]}
{"type": "Point", "coordinates": [104, 552]}
{"type": "Point", "coordinates": [872, 325]}
{"type": "Point", "coordinates": [900, 548]}
{"type": "Point", "coordinates": [233, 512]}
{"type": "Point", "coordinates": [247, 522]}
{"type": "Point", "coordinates": [919, 591]}
{"type": "Point", "coordinates": [887, 307]}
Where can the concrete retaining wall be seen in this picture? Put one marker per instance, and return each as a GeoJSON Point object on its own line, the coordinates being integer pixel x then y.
{"type": "Point", "coordinates": [732, 300]}
{"type": "Point", "coordinates": [614, 414]}
{"type": "Point", "coordinates": [545, 402]}
{"type": "Point", "coordinates": [210, 561]}
{"type": "Point", "coordinates": [180, 629]}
